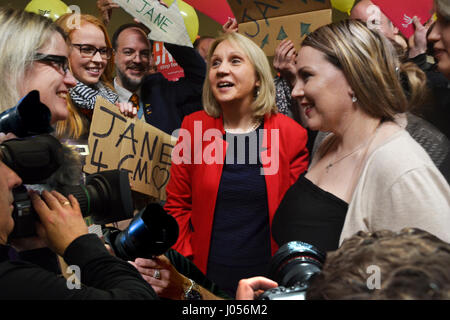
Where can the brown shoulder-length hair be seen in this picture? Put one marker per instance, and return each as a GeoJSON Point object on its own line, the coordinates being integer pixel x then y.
{"type": "Point", "coordinates": [371, 66]}
{"type": "Point", "coordinates": [73, 126]}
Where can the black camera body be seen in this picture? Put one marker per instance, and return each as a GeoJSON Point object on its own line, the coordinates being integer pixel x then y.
{"type": "Point", "coordinates": [295, 292]}
{"type": "Point", "coordinates": [106, 196]}
{"type": "Point", "coordinates": [29, 117]}
{"type": "Point", "coordinates": [293, 266]}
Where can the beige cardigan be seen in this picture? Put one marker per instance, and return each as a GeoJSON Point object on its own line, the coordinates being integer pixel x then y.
{"type": "Point", "coordinates": [399, 187]}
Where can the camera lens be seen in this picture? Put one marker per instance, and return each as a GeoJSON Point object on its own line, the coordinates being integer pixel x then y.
{"type": "Point", "coordinates": [295, 263]}
{"type": "Point", "coordinates": [151, 232]}
{"type": "Point", "coordinates": [106, 198]}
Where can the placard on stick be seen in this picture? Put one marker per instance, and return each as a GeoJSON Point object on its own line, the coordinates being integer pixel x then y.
{"type": "Point", "coordinates": [118, 142]}
{"type": "Point", "coordinates": [166, 24]}
{"type": "Point", "coordinates": [268, 22]}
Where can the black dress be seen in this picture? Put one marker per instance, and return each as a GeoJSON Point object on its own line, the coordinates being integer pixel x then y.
{"type": "Point", "coordinates": [309, 214]}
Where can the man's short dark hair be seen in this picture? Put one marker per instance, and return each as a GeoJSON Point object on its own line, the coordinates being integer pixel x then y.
{"type": "Point", "coordinates": [129, 26]}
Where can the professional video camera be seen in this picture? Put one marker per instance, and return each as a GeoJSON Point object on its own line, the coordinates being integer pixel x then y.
{"type": "Point", "coordinates": [293, 266]}
{"type": "Point", "coordinates": [29, 117]}
{"type": "Point", "coordinates": [106, 196]}
{"type": "Point", "coordinates": [151, 233]}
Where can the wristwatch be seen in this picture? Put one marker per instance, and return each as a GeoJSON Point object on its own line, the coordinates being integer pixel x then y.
{"type": "Point", "coordinates": [193, 292]}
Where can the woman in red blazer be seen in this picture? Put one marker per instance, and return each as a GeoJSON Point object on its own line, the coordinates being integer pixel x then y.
{"type": "Point", "coordinates": [232, 165]}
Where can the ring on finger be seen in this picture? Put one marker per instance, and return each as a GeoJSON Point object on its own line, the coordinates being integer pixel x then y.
{"type": "Point", "coordinates": [157, 274]}
{"type": "Point", "coordinates": [66, 203]}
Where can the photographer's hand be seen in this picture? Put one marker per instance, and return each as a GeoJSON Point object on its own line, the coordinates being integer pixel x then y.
{"type": "Point", "coordinates": [61, 219]}
{"type": "Point", "coordinates": [251, 288]}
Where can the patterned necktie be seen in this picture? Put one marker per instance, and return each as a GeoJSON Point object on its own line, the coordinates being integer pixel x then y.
{"type": "Point", "coordinates": [134, 99]}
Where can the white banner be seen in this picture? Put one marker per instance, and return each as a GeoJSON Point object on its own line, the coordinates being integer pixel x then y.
{"type": "Point", "coordinates": [166, 24]}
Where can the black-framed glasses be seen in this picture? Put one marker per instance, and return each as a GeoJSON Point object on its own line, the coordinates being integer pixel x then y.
{"type": "Point", "coordinates": [131, 53]}
{"type": "Point", "coordinates": [61, 63]}
{"type": "Point", "coordinates": [88, 51]}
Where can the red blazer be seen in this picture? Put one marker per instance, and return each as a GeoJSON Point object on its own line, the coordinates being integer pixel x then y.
{"type": "Point", "coordinates": [193, 185]}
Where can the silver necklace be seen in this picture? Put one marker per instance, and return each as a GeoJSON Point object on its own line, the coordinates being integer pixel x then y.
{"type": "Point", "coordinates": [369, 140]}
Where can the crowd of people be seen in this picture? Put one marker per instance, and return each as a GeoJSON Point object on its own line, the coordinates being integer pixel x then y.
{"type": "Point", "coordinates": [334, 152]}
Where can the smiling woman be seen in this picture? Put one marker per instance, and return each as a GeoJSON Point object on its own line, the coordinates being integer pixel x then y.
{"type": "Point", "coordinates": [92, 65]}
{"type": "Point", "coordinates": [368, 174]}
{"type": "Point", "coordinates": [33, 57]}
{"type": "Point", "coordinates": [224, 207]}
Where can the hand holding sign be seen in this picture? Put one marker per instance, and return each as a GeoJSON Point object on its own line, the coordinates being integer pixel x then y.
{"type": "Point", "coordinates": [417, 43]}
{"type": "Point", "coordinates": [166, 24]}
{"type": "Point", "coordinates": [118, 142]}
{"type": "Point", "coordinates": [402, 12]}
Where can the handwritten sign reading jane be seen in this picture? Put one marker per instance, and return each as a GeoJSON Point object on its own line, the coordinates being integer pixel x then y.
{"type": "Point", "coordinates": [166, 24]}
{"type": "Point", "coordinates": [118, 142]}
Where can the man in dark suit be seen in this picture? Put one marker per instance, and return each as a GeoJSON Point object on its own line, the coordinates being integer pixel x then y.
{"type": "Point", "coordinates": [162, 103]}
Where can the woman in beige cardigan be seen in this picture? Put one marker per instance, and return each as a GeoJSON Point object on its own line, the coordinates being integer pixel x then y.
{"type": "Point", "coordinates": [368, 174]}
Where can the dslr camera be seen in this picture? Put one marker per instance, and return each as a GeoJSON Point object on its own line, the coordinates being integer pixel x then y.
{"type": "Point", "coordinates": [293, 266]}
{"type": "Point", "coordinates": [106, 196]}
{"type": "Point", "coordinates": [151, 233]}
{"type": "Point", "coordinates": [43, 162]}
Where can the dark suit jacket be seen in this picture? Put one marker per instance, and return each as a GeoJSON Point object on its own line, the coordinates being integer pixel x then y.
{"type": "Point", "coordinates": [167, 102]}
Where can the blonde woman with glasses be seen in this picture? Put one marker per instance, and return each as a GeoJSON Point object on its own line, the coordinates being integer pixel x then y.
{"type": "Point", "coordinates": [30, 62]}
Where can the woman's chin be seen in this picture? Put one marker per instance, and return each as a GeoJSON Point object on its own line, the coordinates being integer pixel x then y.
{"type": "Point", "coordinates": [90, 79]}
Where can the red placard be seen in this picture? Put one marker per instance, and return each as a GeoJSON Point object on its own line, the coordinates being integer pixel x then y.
{"type": "Point", "coordinates": [401, 13]}
{"type": "Point", "coordinates": [165, 63]}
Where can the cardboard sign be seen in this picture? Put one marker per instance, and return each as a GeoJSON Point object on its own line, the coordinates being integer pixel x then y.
{"type": "Point", "coordinates": [166, 24]}
{"type": "Point", "coordinates": [401, 13]}
{"type": "Point", "coordinates": [267, 34]}
{"type": "Point", "coordinates": [118, 142]}
{"type": "Point", "coordinates": [165, 63]}
{"type": "Point", "coordinates": [252, 10]}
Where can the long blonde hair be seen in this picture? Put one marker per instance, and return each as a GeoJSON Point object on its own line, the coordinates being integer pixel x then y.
{"type": "Point", "coordinates": [74, 125]}
{"type": "Point", "coordinates": [22, 34]}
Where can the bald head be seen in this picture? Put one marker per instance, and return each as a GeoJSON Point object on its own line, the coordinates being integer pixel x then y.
{"type": "Point", "coordinates": [368, 12]}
